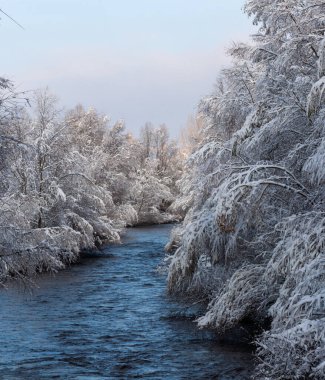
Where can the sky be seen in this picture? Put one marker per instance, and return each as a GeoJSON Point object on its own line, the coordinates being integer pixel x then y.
{"type": "Point", "coordinates": [133, 60]}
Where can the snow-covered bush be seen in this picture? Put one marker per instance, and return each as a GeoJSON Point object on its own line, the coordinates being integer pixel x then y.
{"type": "Point", "coordinates": [297, 266]}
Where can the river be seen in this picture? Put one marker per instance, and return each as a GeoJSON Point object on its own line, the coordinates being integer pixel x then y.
{"type": "Point", "coordinates": [108, 317]}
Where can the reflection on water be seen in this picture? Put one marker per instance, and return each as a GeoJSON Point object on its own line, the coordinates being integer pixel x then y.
{"type": "Point", "coordinates": [108, 317]}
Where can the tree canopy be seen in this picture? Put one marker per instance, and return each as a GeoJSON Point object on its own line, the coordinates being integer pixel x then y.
{"type": "Point", "coordinates": [251, 244]}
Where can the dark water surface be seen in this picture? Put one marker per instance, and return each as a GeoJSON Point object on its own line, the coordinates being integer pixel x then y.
{"type": "Point", "coordinates": [108, 317]}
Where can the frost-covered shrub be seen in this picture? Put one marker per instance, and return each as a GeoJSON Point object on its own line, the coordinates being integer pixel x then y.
{"type": "Point", "coordinates": [297, 265]}
{"type": "Point", "coordinates": [242, 297]}
{"type": "Point", "coordinates": [125, 215]}
{"type": "Point", "coordinates": [27, 252]}
{"type": "Point", "coordinates": [295, 353]}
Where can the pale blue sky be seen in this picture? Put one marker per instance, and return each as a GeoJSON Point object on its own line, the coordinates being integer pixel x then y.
{"type": "Point", "coordinates": [137, 60]}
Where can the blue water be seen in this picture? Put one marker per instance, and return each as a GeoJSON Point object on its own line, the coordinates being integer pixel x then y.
{"type": "Point", "coordinates": [109, 317]}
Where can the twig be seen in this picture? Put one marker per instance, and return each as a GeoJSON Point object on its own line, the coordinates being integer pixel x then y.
{"type": "Point", "coordinates": [17, 23]}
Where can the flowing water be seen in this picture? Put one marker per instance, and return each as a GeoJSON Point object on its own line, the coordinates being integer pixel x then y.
{"type": "Point", "coordinates": [109, 317]}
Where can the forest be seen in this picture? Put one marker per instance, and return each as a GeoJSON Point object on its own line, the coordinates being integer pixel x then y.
{"type": "Point", "coordinates": [247, 186]}
{"type": "Point", "coordinates": [71, 181]}
{"type": "Point", "coordinates": [252, 241]}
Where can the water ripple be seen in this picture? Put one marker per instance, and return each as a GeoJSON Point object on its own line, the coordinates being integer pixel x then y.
{"type": "Point", "coordinates": [109, 318]}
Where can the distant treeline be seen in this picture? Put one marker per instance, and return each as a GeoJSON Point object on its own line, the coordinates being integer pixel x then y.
{"type": "Point", "coordinates": [71, 181]}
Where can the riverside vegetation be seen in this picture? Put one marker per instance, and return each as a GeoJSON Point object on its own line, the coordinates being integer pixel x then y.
{"type": "Point", "coordinates": [252, 192]}
{"type": "Point", "coordinates": [71, 181]}
{"type": "Point", "coordinates": [252, 242]}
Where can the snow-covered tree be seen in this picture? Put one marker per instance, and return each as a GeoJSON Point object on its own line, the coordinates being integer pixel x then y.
{"type": "Point", "coordinates": [251, 241]}
{"type": "Point", "coordinates": [71, 181]}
